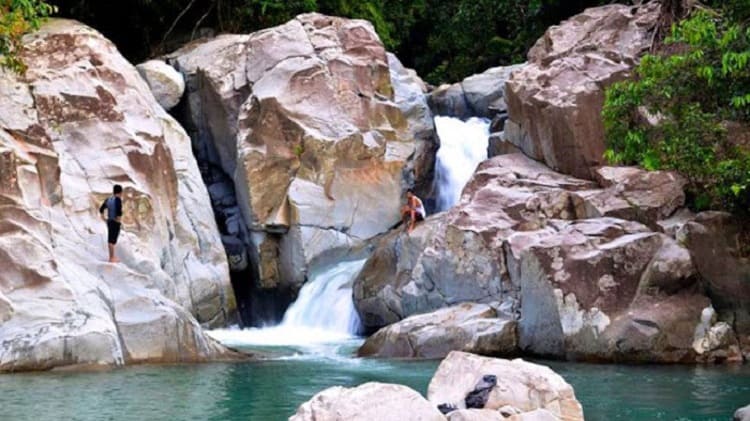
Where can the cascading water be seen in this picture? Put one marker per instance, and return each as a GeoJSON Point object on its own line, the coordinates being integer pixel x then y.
{"type": "Point", "coordinates": [323, 312]}
{"type": "Point", "coordinates": [463, 145]}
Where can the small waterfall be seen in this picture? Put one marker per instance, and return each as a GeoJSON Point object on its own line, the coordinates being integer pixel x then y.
{"type": "Point", "coordinates": [463, 145]}
{"type": "Point", "coordinates": [326, 302]}
{"type": "Point", "coordinates": [323, 312]}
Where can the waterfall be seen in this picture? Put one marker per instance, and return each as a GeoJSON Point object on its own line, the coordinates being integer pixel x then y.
{"type": "Point", "coordinates": [463, 145]}
{"type": "Point", "coordinates": [323, 312]}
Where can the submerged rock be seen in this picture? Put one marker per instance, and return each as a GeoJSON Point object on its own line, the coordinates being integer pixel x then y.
{"type": "Point", "coordinates": [466, 327]}
{"type": "Point", "coordinates": [304, 121]}
{"type": "Point", "coordinates": [80, 120]}
{"type": "Point", "coordinates": [368, 402]}
{"type": "Point", "coordinates": [522, 385]}
{"type": "Point", "coordinates": [555, 101]}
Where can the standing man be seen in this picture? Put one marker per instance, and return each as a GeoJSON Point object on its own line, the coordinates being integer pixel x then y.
{"type": "Point", "coordinates": [413, 211]}
{"type": "Point", "coordinates": [113, 206]}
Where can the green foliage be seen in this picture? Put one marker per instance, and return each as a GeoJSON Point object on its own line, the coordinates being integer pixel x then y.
{"type": "Point", "coordinates": [676, 113]}
{"type": "Point", "coordinates": [444, 40]}
{"type": "Point", "coordinates": [17, 17]}
{"type": "Point", "coordinates": [462, 37]}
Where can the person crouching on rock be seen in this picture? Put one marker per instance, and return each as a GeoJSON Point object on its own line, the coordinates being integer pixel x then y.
{"type": "Point", "coordinates": [413, 211]}
{"type": "Point", "coordinates": [113, 206]}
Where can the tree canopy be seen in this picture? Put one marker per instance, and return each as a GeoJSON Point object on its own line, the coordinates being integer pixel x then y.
{"type": "Point", "coordinates": [444, 41]}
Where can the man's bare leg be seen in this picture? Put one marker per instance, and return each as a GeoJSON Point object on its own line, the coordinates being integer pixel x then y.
{"type": "Point", "coordinates": [413, 220]}
{"type": "Point", "coordinates": [112, 258]}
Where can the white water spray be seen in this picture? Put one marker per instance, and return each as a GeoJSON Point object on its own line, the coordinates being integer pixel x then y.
{"type": "Point", "coordinates": [463, 145]}
{"type": "Point", "coordinates": [324, 312]}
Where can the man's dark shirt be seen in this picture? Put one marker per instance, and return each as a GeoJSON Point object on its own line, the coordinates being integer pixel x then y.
{"type": "Point", "coordinates": [112, 213]}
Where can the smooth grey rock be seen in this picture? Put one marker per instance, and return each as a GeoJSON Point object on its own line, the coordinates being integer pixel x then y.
{"type": "Point", "coordinates": [466, 327]}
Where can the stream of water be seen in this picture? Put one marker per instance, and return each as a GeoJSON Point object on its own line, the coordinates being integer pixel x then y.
{"type": "Point", "coordinates": [313, 349]}
{"type": "Point", "coordinates": [272, 390]}
{"type": "Point", "coordinates": [463, 145]}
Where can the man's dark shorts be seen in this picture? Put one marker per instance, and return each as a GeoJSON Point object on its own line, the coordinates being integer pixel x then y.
{"type": "Point", "coordinates": [113, 231]}
{"type": "Point", "coordinates": [419, 217]}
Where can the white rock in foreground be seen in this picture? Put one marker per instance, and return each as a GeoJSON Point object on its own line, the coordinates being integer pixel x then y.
{"type": "Point", "coordinates": [521, 384]}
{"type": "Point", "coordinates": [368, 402]}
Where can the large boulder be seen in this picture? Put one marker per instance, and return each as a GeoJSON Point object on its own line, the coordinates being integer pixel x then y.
{"type": "Point", "coordinates": [633, 194]}
{"type": "Point", "coordinates": [596, 288]}
{"type": "Point", "coordinates": [458, 256]}
{"type": "Point", "coordinates": [166, 83]}
{"type": "Point", "coordinates": [606, 289]}
{"type": "Point", "coordinates": [555, 101]}
{"type": "Point", "coordinates": [302, 120]}
{"type": "Point", "coordinates": [520, 384]}
{"type": "Point", "coordinates": [368, 402]}
{"type": "Point", "coordinates": [409, 93]}
{"type": "Point", "coordinates": [480, 95]}
{"type": "Point", "coordinates": [80, 120]}
{"type": "Point", "coordinates": [713, 239]}
{"type": "Point", "coordinates": [467, 327]}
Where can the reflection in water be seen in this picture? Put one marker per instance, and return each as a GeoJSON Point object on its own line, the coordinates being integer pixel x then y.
{"type": "Point", "coordinates": [272, 390]}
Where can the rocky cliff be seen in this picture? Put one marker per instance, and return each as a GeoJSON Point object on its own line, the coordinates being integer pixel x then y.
{"type": "Point", "coordinates": [308, 134]}
{"type": "Point", "coordinates": [80, 120]}
{"type": "Point", "coordinates": [593, 262]}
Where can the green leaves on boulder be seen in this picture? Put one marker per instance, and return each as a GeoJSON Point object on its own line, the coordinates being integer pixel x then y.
{"type": "Point", "coordinates": [688, 109]}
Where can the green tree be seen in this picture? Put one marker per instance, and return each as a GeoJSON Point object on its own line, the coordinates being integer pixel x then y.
{"type": "Point", "coordinates": [690, 111]}
{"type": "Point", "coordinates": [18, 17]}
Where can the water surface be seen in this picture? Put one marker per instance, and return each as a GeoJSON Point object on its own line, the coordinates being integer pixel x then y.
{"type": "Point", "coordinates": [272, 390]}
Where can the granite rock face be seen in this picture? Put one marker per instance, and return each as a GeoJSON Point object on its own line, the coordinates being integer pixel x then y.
{"type": "Point", "coordinates": [480, 95]}
{"type": "Point", "coordinates": [555, 101]}
{"type": "Point", "coordinates": [313, 127]}
{"type": "Point", "coordinates": [714, 243]}
{"type": "Point", "coordinates": [581, 285]}
{"type": "Point", "coordinates": [165, 82]}
{"type": "Point", "coordinates": [79, 121]}
{"type": "Point", "coordinates": [468, 327]}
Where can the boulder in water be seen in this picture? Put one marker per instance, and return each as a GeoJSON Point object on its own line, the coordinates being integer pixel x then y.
{"type": "Point", "coordinates": [466, 327]}
{"type": "Point", "coordinates": [555, 101]}
{"type": "Point", "coordinates": [80, 120]}
{"type": "Point", "coordinates": [742, 414]}
{"type": "Point", "coordinates": [520, 384]}
{"type": "Point", "coordinates": [368, 402]}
